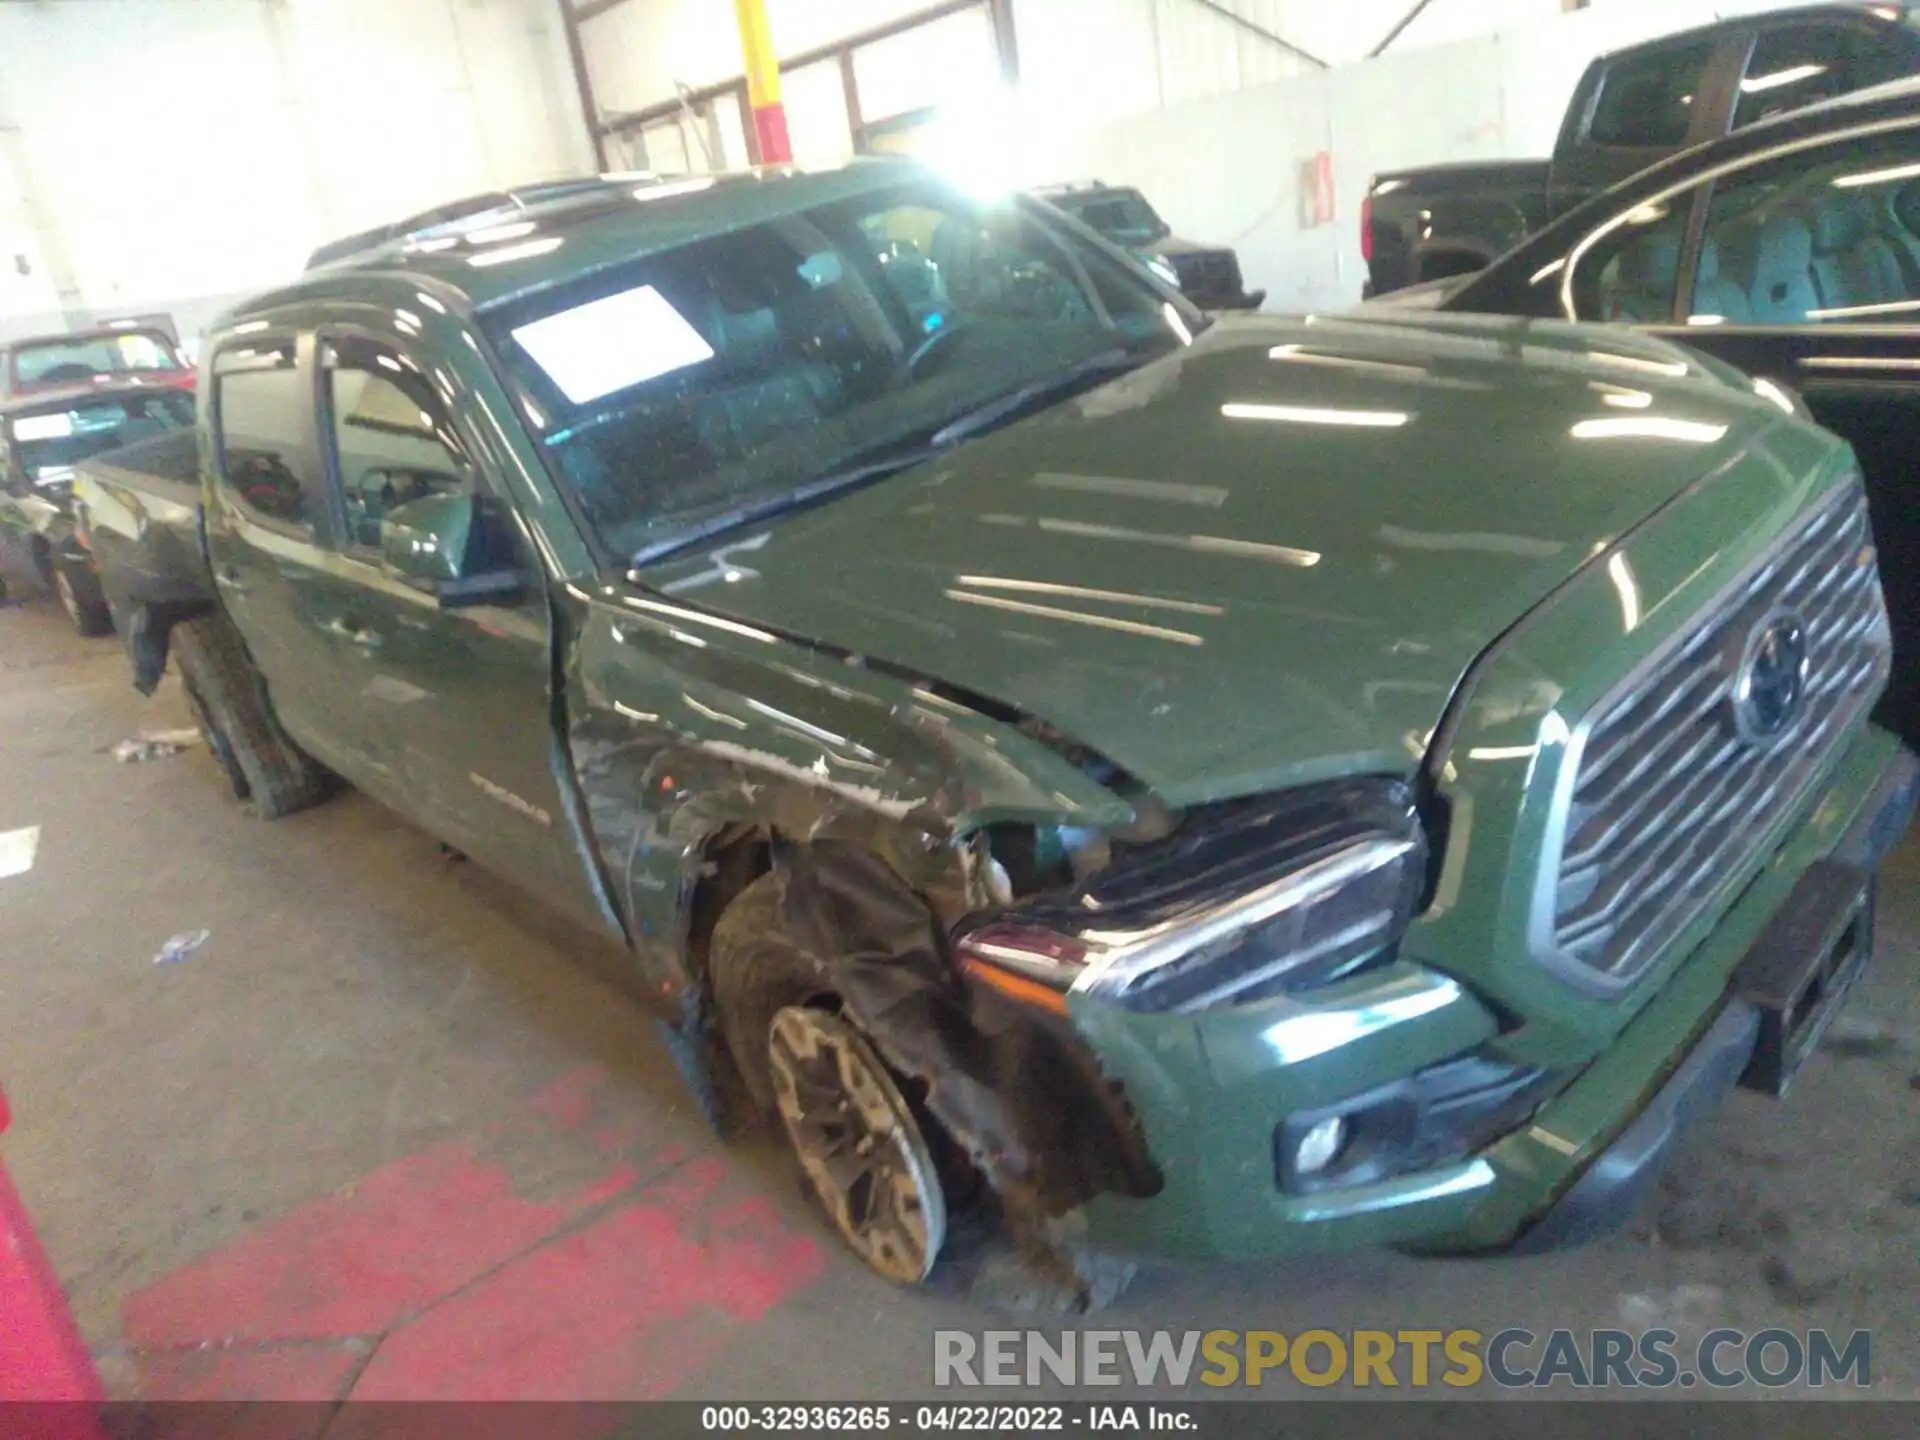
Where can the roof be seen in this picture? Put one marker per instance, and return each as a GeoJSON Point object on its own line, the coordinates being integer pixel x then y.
{"type": "Point", "coordinates": [91, 332]}
{"type": "Point", "coordinates": [1896, 14]}
{"type": "Point", "coordinates": [52, 397]}
{"type": "Point", "coordinates": [555, 233]}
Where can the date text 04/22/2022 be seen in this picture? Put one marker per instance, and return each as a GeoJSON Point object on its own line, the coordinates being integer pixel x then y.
{"type": "Point", "coordinates": [938, 1419]}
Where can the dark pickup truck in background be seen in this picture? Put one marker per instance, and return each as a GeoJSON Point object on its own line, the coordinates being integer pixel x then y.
{"type": "Point", "coordinates": [1208, 275]}
{"type": "Point", "coordinates": [1631, 109]}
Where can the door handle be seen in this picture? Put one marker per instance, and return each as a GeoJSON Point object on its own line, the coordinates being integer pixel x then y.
{"type": "Point", "coordinates": [365, 639]}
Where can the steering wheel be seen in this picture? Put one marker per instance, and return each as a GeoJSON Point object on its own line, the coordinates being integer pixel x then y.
{"type": "Point", "coordinates": [932, 347]}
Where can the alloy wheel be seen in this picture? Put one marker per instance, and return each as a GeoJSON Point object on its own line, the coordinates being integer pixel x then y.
{"type": "Point", "coordinates": [857, 1141]}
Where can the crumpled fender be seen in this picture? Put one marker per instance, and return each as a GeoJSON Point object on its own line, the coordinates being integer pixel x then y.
{"type": "Point", "coordinates": [683, 724]}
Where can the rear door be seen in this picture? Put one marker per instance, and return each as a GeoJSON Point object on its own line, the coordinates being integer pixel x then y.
{"type": "Point", "coordinates": [268, 542]}
{"type": "Point", "coordinates": [462, 697]}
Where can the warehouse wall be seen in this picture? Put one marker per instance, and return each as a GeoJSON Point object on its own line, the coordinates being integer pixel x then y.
{"type": "Point", "coordinates": [179, 153]}
{"type": "Point", "coordinates": [1227, 166]}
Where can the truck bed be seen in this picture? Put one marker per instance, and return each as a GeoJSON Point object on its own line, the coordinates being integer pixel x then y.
{"type": "Point", "coordinates": [142, 509]}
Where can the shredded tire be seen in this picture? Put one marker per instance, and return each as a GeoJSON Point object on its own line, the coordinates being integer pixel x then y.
{"type": "Point", "coordinates": [756, 971]}
{"type": "Point", "coordinates": [262, 763]}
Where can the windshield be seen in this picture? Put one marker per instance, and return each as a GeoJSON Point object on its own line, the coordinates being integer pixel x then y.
{"type": "Point", "coordinates": [80, 358]}
{"type": "Point", "coordinates": [739, 369]}
{"type": "Point", "coordinates": [49, 443]}
{"type": "Point", "coordinates": [1123, 216]}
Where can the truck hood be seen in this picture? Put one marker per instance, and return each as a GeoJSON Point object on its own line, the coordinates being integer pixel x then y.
{"type": "Point", "coordinates": [1265, 559]}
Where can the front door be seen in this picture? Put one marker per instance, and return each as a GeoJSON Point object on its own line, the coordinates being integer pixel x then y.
{"type": "Point", "coordinates": [268, 541]}
{"type": "Point", "coordinates": [1806, 271]}
{"type": "Point", "coordinates": [463, 697]}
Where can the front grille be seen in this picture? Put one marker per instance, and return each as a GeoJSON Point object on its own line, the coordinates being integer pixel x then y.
{"type": "Point", "coordinates": [1673, 796]}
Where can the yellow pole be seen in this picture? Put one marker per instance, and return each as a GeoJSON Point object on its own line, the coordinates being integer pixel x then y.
{"type": "Point", "coordinates": [763, 82]}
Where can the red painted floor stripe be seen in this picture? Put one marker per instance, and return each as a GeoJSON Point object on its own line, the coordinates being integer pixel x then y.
{"type": "Point", "coordinates": [360, 1262]}
{"type": "Point", "coordinates": [626, 1309]}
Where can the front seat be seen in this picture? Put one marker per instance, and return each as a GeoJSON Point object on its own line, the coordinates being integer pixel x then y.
{"type": "Point", "coordinates": [1853, 265]}
{"type": "Point", "coordinates": [1638, 287]}
{"type": "Point", "coordinates": [1714, 294]}
{"type": "Point", "coordinates": [1783, 290]}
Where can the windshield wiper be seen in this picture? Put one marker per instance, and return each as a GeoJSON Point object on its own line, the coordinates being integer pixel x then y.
{"type": "Point", "coordinates": [1005, 407]}
{"type": "Point", "coordinates": [985, 417]}
{"type": "Point", "coordinates": [814, 490]}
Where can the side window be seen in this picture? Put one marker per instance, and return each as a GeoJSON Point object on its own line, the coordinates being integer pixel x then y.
{"type": "Point", "coordinates": [1824, 237]}
{"type": "Point", "coordinates": [263, 412]}
{"type": "Point", "coordinates": [1647, 101]}
{"type": "Point", "coordinates": [1800, 64]}
{"type": "Point", "coordinates": [390, 434]}
{"type": "Point", "coordinates": [1632, 275]}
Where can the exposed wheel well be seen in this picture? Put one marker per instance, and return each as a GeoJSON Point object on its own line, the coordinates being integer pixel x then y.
{"type": "Point", "coordinates": [731, 861]}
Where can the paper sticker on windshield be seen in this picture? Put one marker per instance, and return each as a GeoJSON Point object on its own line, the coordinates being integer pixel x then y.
{"type": "Point", "coordinates": [598, 348]}
{"type": "Point", "coordinates": [43, 427]}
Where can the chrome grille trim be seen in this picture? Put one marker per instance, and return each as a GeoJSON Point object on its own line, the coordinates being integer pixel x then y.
{"type": "Point", "coordinates": [1661, 802]}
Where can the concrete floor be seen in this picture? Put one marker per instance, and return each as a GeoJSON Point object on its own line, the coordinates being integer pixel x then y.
{"type": "Point", "coordinates": [381, 1134]}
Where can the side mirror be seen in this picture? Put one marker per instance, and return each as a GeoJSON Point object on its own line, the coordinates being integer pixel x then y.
{"type": "Point", "coordinates": [448, 545]}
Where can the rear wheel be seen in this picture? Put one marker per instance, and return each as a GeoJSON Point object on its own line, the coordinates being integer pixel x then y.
{"type": "Point", "coordinates": [84, 607]}
{"type": "Point", "coordinates": [261, 761]}
{"type": "Point", "coordinates": [862, 1148]}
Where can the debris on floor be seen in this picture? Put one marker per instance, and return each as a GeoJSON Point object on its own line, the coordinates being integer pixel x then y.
{"type": "Point", "coordinates": [181, 946]}
{"type": "Point", "coordinates": [156, 746]}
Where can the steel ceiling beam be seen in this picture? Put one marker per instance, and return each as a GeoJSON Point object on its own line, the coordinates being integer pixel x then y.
{"type": "Point", "coordinates": [1265, 34]}
{"type": "Point", "coordinates": [1394, 34]}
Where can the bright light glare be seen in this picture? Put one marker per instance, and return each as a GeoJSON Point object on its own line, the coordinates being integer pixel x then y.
{"type": "Point", "coordinates": [524, 251]}
{"type": "Point", "coordinates": [1773, 394]}
{"type": "Point", "coordinates": [671, 188]}
{"type": "Point", "coordinates": [1177, 325]}
{"type": "Point", "coordinates": [1703, 320]}
{"type": "Point", "coordinates": [1876, 177]}
{"type": "Point", "coordinates": [607, 345]}
{"type": "Point", "coordinates": [43, 427]}
{"type": "Point", "coordinates": [494, 234]}
{"type": "Point", "coordinates": [1315, 415]}
{"type": "Point", "coordinates": [1792, 75]}
{"type": "Point", "coordinates": [1649, 427]}
{"type": "Point", "coordinates": [1629, 589]}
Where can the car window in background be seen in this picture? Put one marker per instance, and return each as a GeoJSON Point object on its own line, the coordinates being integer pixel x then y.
{"type": "Point", "coordinates": [1632, 276]}
{"type": "Point", "coordinates": [1802, 64]}
{"type": "Point", "coordinates": [1120, 215]}
{"type": "Point", "coordinates": [49, 443]}
{"type": "Point", "coordinates": [393, 439]}
{"type": "Point", "coordinates": [1827, 238]}
{"type": "Point", "coordinates": [722, 375]}
{"type": "Point", "coordinates": [1647, 101]}
{"type": "Point", "coordinates": [127, 353]}
{"type": "Point", "coordinates": [263, 411]}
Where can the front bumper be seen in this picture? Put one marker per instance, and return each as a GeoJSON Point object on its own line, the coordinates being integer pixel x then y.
{"type": "Point", "coordinates": [1210, 1090]}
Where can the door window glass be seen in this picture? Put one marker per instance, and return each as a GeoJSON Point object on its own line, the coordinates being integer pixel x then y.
{"type": "Point", "coordinates": [1633, 275]}
{"type": "Point", "coordinates": [391, 433]}
{"type": "Point", "coordinates": [1830, 236]}
{"type": "Point", "coordinates": [1647, 101]}
{"type": "Point", "coordinates": [262, 413]}
{"type": "Point", "coordinates": [1801, 64]}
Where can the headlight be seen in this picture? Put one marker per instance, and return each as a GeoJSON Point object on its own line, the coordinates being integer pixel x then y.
{"type": "Point", "coordinates": [1246, 901]}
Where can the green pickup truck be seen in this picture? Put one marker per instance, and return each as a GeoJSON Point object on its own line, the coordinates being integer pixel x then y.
{"type": "Point", "coordinates": [1190, 787]}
